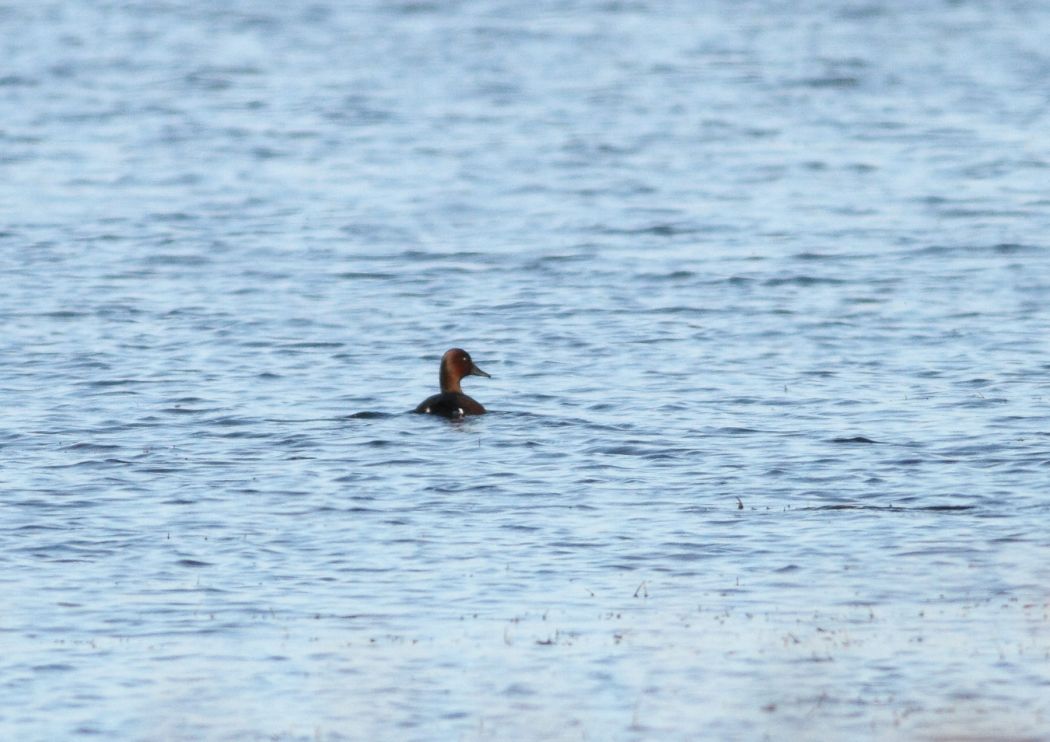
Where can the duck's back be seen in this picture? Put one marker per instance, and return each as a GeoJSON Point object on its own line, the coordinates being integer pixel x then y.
{"type": "Point", "coordinates": [450, 404]}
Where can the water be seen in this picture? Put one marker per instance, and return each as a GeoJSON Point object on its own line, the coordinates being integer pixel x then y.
{"type": "Point", "coordinates": [763, 289]}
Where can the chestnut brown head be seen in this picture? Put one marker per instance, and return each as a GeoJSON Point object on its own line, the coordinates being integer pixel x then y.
{"type": "Point", "coordinates": [455, 364]}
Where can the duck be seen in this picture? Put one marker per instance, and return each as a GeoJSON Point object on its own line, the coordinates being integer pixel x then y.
{"type": "Point", "coordinates": [452, 402]}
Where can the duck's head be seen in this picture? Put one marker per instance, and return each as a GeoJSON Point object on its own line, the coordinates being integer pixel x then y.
{"type": "Point", "coordinates": [455, 364]}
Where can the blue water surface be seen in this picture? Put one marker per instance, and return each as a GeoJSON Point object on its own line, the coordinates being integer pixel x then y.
{"type": "Point", "coordinates": [764, 288]}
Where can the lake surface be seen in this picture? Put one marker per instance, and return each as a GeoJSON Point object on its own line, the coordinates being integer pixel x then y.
{"type": "Point", "coordinates": [764, 289]}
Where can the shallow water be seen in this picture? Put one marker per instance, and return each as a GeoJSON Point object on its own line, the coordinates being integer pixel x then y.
{"type": "Point", "coordinates": [763, 289]}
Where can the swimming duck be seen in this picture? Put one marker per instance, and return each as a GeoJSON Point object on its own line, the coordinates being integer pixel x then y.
{"type": "Point", "coordinates": [452, 402]}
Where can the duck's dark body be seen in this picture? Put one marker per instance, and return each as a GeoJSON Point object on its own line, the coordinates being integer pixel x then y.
{"type": "Point", "coordinates": [450, 404]}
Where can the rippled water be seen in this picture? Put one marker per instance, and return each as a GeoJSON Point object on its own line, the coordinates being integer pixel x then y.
{"type": "Point", "coordinates": [764, 290]}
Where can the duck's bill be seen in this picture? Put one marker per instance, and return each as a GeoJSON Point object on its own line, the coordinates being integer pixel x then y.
{"type": "Point", "coordinates": [475, 371]}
